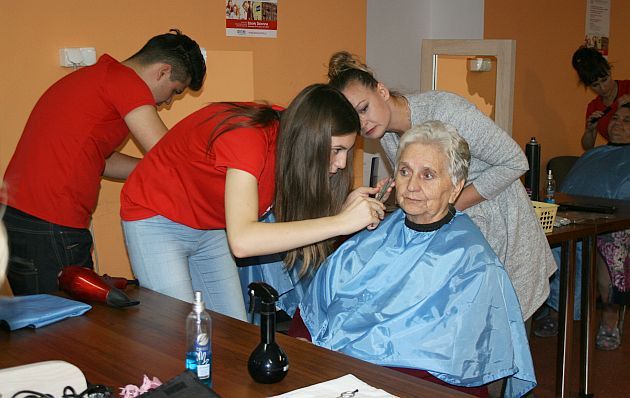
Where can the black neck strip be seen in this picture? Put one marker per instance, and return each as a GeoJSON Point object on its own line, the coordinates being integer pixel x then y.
{"type": "Point", "coordinates": [434, 226]}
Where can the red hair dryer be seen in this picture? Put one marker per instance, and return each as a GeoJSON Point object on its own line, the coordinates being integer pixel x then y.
{"type": "Point", "coordinates": [86, 285]}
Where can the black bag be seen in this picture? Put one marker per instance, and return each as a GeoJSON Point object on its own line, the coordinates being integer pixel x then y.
{"type": "Point", "coordinates": [186, 385]}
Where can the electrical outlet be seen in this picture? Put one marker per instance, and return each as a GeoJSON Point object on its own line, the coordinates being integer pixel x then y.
{"type": "Point", "coordinates": [75, 57]}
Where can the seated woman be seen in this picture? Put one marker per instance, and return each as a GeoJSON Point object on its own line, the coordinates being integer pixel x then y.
{"type": "Point", "coordinates": [424, 290]}
{"type": "Point", "coordinates": [605, 172]}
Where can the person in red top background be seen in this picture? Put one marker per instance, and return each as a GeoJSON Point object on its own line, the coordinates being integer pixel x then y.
{"type": "Point", "coordinates": [594, 72]}
{"type": "Point", "coordinates": [197, 199]}
{"type": "Point", "coordinates": [69, 143]}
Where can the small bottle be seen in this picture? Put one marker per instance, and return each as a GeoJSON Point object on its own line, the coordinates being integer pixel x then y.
{"type": "Point", "coordinates": [199, 341]}
{"type": "Point", "coordinates": [550, 188]}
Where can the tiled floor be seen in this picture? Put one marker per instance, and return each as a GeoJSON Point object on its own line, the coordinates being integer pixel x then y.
{"type": "Point", "coordinates": [610, 375]}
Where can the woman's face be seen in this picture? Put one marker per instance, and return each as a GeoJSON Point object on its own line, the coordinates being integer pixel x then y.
{"type": "Point", "coordinates": [340, 145]}
{"type": "Point", "coordinates": [423, 184]}
{"type": "Point", "coordinates": [372, 107]}
{"type": "Point", "coordinates": [619, 127]}
{"type": "Point", "coordinates": [604, 86]}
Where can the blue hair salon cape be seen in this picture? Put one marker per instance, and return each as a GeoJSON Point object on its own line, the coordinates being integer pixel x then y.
{"type": "Point", "coordinates": [438, 301]}
{"type": "Point", "coordinates": [602, 172]}
{"type": "Point", "coordinates": [271, 270]}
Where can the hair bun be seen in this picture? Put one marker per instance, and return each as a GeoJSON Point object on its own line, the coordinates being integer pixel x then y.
{"type": "Point", "coordinates": [342, 61]}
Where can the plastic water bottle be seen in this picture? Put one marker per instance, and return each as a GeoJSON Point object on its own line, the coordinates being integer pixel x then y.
{"type": "Point", "coordinates": [550, 188]}
{"type": "Point", "coordinates": [199, 341]}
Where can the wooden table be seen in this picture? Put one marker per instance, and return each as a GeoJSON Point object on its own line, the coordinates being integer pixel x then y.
{"type": "Point", "coordinates": [568, 237]}
{"type": "Point", "coordinates": [590, 225]}
{"type": "Point", "coordinates": [116, 347]}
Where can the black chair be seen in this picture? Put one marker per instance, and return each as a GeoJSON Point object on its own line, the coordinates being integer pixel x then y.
{"type": "Point", "coordinates": [560, 167]}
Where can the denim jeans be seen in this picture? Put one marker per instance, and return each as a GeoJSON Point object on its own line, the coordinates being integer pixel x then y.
{"type": "Point", "coordinates": [554, 283]}
{"type": "Point", "coordinates": [38, 249]}
{"type": "Point", "coordinates": [175, 260]}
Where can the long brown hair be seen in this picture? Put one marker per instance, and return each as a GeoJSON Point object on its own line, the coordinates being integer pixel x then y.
{"type": "Point", "coordinates": [304, 189]}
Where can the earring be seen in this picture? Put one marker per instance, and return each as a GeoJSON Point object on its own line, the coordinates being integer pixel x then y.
{"type": "Point", "coordinates": [451, 209]}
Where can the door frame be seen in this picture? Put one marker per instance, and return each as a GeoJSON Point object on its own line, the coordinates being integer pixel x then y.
{"type": "Point", "coordinates": [503, 50]}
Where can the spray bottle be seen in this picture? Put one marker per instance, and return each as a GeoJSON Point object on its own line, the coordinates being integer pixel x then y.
{"type": "Point", "coordinates": [532, 176]}
{"type": "Point", "coordinates": [267, 363]}
{"type": "Point", "coordinates": [199, 341]}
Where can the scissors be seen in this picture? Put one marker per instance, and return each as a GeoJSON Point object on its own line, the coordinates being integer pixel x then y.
{"type": "Point", "coordinates": [348, 394]}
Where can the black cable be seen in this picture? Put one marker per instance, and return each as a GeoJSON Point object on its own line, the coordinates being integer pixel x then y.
{"type": "Point", "coordinates": [93, 391]}
{"type": "Point", "coordinates": [31, 394]}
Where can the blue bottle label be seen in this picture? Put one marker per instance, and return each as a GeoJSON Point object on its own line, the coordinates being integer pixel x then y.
{"type": "Point", "coordinates": [199, 361]}
{"type": "Point", "coordinates": [203, 356]}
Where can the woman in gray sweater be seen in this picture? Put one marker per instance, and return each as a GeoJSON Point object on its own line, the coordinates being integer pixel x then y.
{"type": "Point", "coordinates": [494, 197]}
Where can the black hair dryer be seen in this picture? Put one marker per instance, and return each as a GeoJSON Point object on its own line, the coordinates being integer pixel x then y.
{"type": "Point", "coordinates": [267, 363]}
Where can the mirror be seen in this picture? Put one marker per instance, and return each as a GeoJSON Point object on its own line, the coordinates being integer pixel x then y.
{"type": "Point", "coordinates": [482, 71]}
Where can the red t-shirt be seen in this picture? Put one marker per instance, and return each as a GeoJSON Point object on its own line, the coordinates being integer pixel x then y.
{"type": "Point", "coordinates": [77, 123]}
{"type": "Point", "coordinates": [623, 88]}
{"type": "Point", "coordinates": [184, 180]}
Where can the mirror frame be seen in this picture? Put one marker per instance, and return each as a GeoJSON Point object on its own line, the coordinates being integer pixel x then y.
{"type": "Point", "coordinates": [503, 50]}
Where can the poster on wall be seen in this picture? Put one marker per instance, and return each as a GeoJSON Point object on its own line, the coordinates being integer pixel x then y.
{"type": "Point", "coordinates": [251, 18]}
{"type": "Point", "coordinates": [597, 25]}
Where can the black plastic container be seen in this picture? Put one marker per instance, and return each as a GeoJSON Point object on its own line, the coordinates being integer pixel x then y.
{"type": "Point", "coordinates": [267, 363]}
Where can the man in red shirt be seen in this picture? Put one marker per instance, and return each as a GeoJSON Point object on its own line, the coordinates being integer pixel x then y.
{"type": "Point", "coordinates": [69, 143]}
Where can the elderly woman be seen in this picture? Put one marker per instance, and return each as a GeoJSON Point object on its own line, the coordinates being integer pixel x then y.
{"type": "Point", "coordinates": [605, 172]}
{"type": "Point", "coordinates": [424, 291]}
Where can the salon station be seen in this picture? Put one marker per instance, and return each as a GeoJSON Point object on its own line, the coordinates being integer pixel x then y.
{"type": "Point", "coordinates": [364, 198]}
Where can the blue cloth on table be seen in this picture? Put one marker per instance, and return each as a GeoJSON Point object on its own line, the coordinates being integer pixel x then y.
{"type": "Point", "coordinates": [271, 270]}
{"type": "Point", "coordinates": [602, 172]}
{"type": "Point", "coordinates": [554, 283]}
{"type": "Point", "coordinates": [439, 301]}
{"type": "Point", "coordinates": [38, 310]}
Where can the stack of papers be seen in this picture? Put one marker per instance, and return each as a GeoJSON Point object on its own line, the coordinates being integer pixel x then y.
{"type": "Point", "coordinates": [336, 387]}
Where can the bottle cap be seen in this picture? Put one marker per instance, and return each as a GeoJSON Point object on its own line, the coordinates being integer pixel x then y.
{"type": "Point", "coordinates": [198, 305]}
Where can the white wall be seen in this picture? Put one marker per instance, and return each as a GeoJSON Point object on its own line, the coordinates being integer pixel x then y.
{"type": "Point", "coordinates": [395, 29]}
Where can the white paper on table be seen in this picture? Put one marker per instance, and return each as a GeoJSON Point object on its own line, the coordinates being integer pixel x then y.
{"type": "Point", "coordinates": [334, 388]}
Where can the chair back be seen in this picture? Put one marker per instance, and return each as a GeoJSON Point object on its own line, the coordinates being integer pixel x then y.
{"type": "Point", "coordinates": [560, 167]}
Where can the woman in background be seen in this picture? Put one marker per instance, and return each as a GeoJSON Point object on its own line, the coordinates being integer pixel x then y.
{"type": "Point", "coordinates": [604, 172]}
{"type": "Point", "coordinates": [494, 197]}
{"type": "Point", "coordinates": [195, 201]}
{"type": "Point", "coordinates": [594, 72]}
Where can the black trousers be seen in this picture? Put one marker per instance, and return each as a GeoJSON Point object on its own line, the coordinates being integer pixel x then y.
{"type": "Point", "coordinates": [39, 249]}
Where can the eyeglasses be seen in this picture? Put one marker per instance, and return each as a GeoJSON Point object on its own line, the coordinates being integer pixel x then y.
{"type": "Point", "coordinates": [348, 394]}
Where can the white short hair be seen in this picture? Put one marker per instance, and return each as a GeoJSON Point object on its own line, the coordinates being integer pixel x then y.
{"type": "Point", "coordinates": [444, 136]}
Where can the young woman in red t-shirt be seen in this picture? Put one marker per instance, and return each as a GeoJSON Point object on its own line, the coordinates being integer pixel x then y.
{"type": "Point", "coordinates": [196, 199]}
{"type": "Point", "coordinates": [594, 72]}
